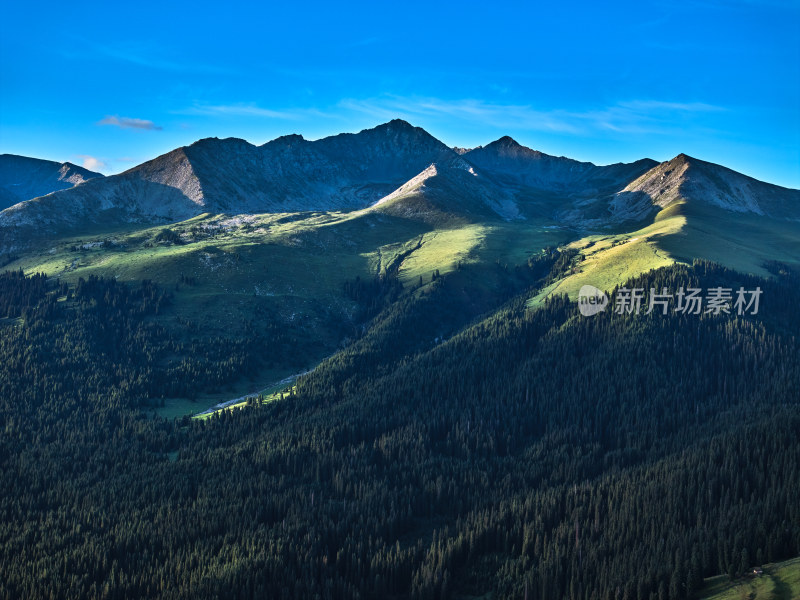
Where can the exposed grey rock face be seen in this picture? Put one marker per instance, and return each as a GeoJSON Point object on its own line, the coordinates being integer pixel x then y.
{"type": "Point", "coordinates": [394, 167]}
{"type": "Point", "coordinates": [594, 196]}
{"type": "Point", "coordinates": [163, 189]}
{"type": "Point", "coordinates": [698, 181]}
{"type": "Point", "coordinates": [449, 189]}
{"type": "Point", "coordinates": [342, 172]}
{"type": "Point", "coordinates": [576, 193]}
{"type": "Point", "coordinates": [522, 166]}
{"type": "Point", "coordinates": [23, 178]}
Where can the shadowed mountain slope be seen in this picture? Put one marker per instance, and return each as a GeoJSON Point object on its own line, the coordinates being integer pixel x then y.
{"type": "Point", "coordinates": [23, 178]}
{"type": "Point", "coordinates": [394, 168]}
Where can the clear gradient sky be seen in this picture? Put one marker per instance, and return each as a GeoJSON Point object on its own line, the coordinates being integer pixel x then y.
{"type": "Point", "coordinates": [110, 85]}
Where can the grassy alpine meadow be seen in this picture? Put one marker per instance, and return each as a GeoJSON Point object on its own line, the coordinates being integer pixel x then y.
{"type": "Point", "coordinates": [273, 393]}
{"type": "Point", "coordinates": [778, 581]}
{"type": "Point", "coordinates": [605, 259]}
{"type": "Point", "coordinates": [289, 270]}
{"type": "Point", "coordinates": [680, 233]}
{"type": "Point", "coordinates": [214, 257]}
{"type": "Point", "coordinates": [741, 241]}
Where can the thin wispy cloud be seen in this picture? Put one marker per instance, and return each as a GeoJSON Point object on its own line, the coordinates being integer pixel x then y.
{"type": "Point", "coordinates": [253, 110]}
{"type": "Point", "coordinates": [635, 116]}
{"type": "Point", "coordinates": [502, 116]}
{"type": "Point", "coordinates": [659, 105]}
{"type": "Point", "coordinates": [644, 116]}
{"type": "Point", "coordinates": [129, 123]}
{"type": "Point", "coordinates": [241, 110]}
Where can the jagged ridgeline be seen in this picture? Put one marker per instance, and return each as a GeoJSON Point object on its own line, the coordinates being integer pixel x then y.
{"type": "Point", "coordinates": [464, 444]}
{"type": "Point", "coordinates": [394, 168]}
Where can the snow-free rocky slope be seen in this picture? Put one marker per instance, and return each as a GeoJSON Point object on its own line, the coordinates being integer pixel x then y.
{"type": "Point", "coordinates": [395, 168]}
{"type": "Point", "coordinates": [517, 165]}
{"type": "Point", "coordinates": [451, 191]}
{"type": "Point", "coordinates": [23, 178]}
{"type": "Point", "coordinates": [289, 174]}
{"type": "Point", "coordinates": [698, 181]}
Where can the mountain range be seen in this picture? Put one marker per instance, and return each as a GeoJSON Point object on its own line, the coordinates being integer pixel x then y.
{"type": "Point", "coordinates": [394, 167]}
{"type": "Point", "coordinates": [23, 178]}
{"type": "Point", "coordinates": [284, 226]}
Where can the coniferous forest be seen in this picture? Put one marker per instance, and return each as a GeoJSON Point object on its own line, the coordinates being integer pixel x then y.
{"type": "Point", "coordinates": [461, 444]}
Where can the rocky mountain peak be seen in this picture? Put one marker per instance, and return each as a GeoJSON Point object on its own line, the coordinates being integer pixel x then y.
{"type": "Point", "coordinates": [398, 124]}
{"type": "Point", "coordinates": [692, 180]}
{"type": "Point", "coordinates": [506, 141]}
{"type": "Point", "coordinates": [287, 140]}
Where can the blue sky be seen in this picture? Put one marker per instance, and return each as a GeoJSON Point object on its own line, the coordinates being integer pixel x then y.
{"type": "Point", "coordinates": [112, 86]}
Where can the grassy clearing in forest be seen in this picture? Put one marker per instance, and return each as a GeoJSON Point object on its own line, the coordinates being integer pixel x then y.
{"type": "Point", "coordinates": [780, 581]}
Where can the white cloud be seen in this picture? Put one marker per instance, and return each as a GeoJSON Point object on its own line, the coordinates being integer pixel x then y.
{"type": "Point", "coordinates": [92, 163]}
{"type": "Point", "coordinates": [129, 123]}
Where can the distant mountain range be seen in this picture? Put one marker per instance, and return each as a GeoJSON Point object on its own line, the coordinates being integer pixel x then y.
{"type": "Point", "coordinates": [23, 178]}
{"type": "Point", "coordinates": [394, 168]}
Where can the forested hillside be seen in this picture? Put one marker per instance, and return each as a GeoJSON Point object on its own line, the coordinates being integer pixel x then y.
{"type": "Point", "coordinates": [462, 444]}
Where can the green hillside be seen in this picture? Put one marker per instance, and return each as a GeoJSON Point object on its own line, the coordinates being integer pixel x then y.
{"type": "Point", "coordinates": [681, 233]}
{"type": "Point", "coordinates": [290, 269]}
{"type": "Point", "coordinates": [234, 276]}
{"type": "Point", "coordinates": [778, 581]}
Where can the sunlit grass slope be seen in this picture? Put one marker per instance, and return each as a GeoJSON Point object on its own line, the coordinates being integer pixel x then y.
{"type": "Point", "coordinates": [780, 581]}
